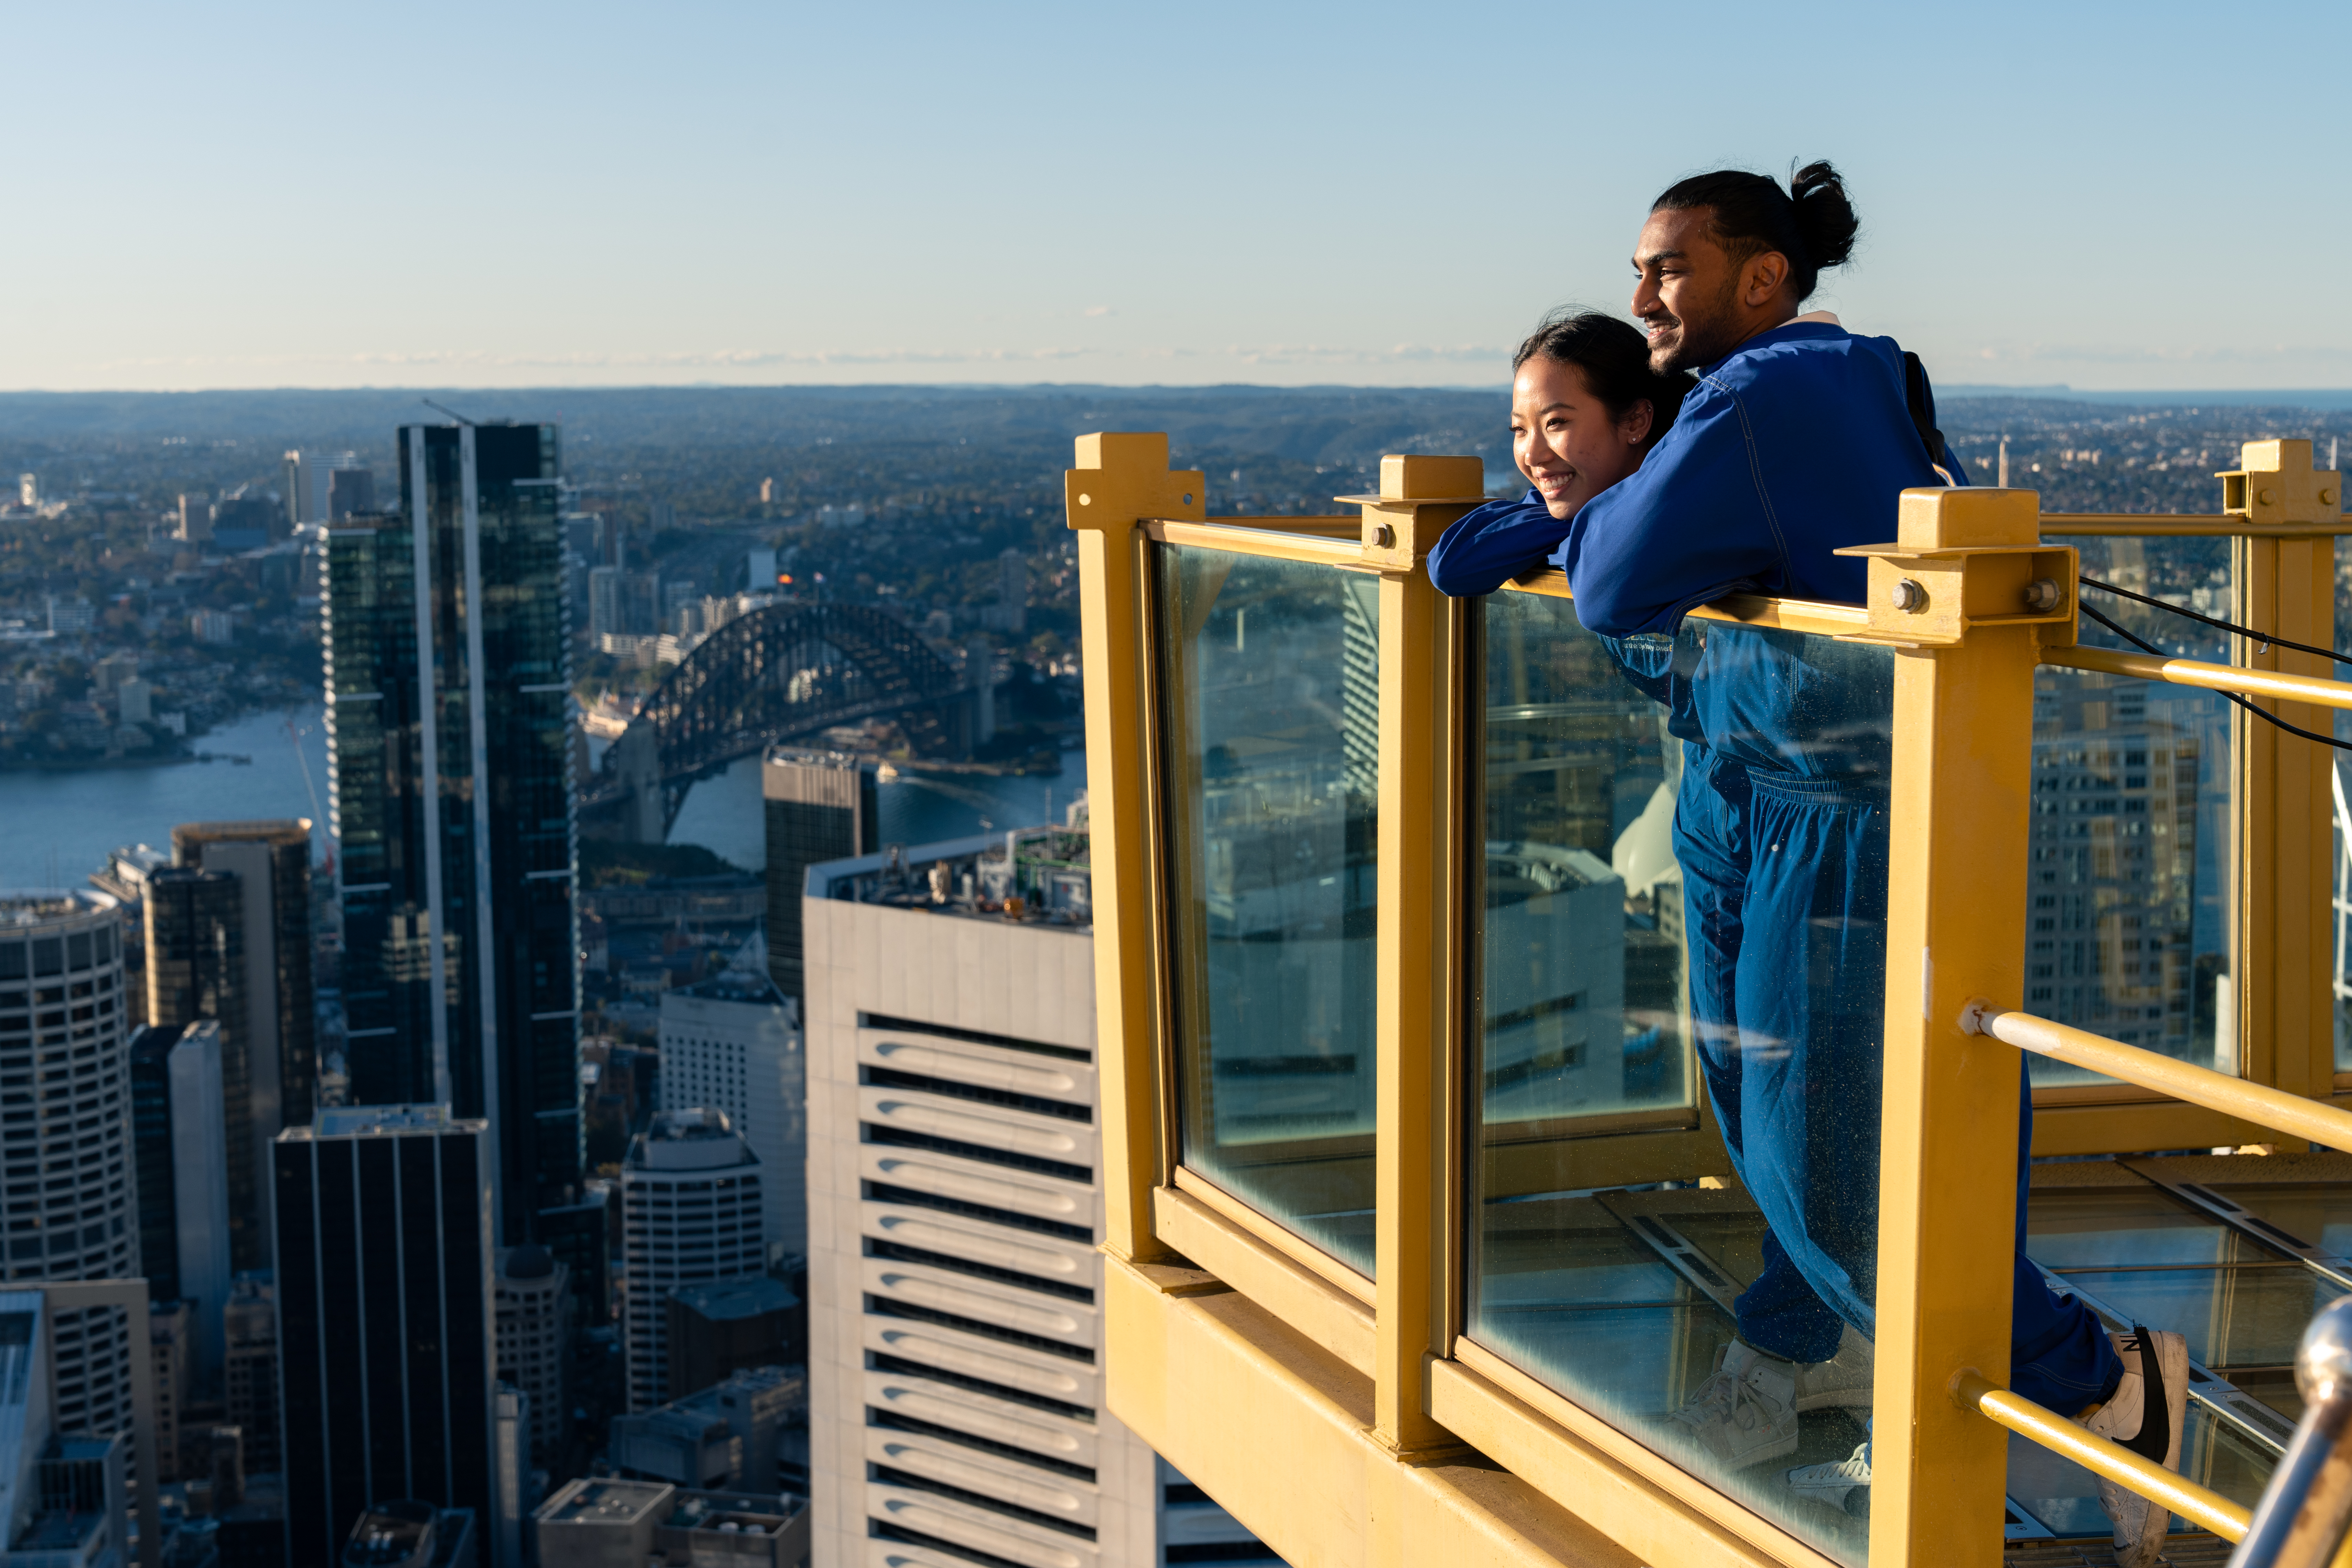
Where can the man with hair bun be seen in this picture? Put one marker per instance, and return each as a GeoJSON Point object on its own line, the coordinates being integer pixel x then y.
{"type": "Point", "coordinates": [1796, 439]}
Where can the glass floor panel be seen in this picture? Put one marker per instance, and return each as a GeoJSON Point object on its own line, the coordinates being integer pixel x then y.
{"type": "Point", "coordinates": [2317, 1217]}
{"type": "Point", "coordinates": [2085, 1227]}
{"type": "Point", "coordinates": [1640, 1281]}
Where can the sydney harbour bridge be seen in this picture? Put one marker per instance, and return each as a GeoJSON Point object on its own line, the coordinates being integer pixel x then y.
{"type": "Point", "coordinates": [786, 672]}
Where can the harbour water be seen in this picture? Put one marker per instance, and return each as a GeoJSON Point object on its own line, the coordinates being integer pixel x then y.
{"type": "Point", "coordinates": [58, 828]}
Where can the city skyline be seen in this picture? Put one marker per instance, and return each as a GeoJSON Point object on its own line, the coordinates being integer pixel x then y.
{"type": "Point", "coordinates": [725, 198]}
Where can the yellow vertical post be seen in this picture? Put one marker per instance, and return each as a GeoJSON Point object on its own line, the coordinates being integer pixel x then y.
{"type": "Point", "coordinates": [1418, 835]}
{"type": "Point", "coordinates": [1119, 480]}
{"type": "Point", "coordinates": [2282, 956]}
{"type": "Point", "coordinates": [1958, 815]}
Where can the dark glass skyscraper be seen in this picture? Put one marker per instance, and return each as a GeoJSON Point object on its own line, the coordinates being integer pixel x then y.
{"type": "Point", "coordinates": [821, 807]}
{"type": "Point", "coordinates": [385, 1317]}
{"type": "Point", "coordinates": [196, 969]}
{"type": "Point", "coordinates": [448, 710]}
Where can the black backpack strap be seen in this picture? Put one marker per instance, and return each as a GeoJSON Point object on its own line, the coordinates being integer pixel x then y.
{"type": "Point", "coordinates": [1921, 397]}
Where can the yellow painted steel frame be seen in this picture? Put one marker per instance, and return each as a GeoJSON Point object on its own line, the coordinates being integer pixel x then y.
{"type": "Point", "coordinates": [1344, 1420]}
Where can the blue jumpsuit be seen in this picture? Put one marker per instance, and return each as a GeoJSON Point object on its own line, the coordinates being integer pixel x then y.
{"type": "Point", "coordinates": [1794, 443]}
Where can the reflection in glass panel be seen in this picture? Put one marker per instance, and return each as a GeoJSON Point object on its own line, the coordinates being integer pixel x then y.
{"type": "Point", "coordinates": [2340, 880]}
{"type": "Point", "coordinates": [1684, 888]}
{"type": "Point", "coordinates": [1270, 708]}
{"type": "Point", "coordinates": [2128, 927]}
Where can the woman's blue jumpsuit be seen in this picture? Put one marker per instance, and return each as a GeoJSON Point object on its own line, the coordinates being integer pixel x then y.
{"type": "Point", "coordinates": [1795, 444]}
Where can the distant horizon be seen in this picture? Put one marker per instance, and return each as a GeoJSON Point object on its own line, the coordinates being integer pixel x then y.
{"type": "Point", "coordinates": [2335, 395]}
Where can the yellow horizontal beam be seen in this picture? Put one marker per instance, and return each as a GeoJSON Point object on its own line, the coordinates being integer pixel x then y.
{"type": "Point", "coordinates": [2217, 525]}
{"type": "Point", "coordinates": [1289, 1244]}
{"type": "Point", "coordinates": [1331, 1317]}
{"type": "Point", "coordinates": [1635, 1494]}
{"type": "Point", "coordinates": [1816, 615]}
{"type": "Point", "coordinates": [2255, 1102]}
{"type": "Point", "coordinates": [2210, 677]}
{"type": "Point", "coordinates": [1281, 544]}
{"type": "Point", "coordinates": [2110, 1461]}
{"type": "Point", "coordinates": [1278, 1432]}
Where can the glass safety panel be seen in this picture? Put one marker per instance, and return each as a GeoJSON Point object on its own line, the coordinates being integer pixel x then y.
{"type": "Point", "coordinates": [2128, 919]}
{"type": "Point", "coordinates": [2137, 1253]}
{"type": "Point", "coordinates": [1683, 902]}
{"type": "Point", "coordinates": [1269, 677]}
{"type": "Point", "coordinates": [2339, 879]}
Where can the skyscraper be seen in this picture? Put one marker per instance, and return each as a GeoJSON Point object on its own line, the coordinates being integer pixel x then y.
{"type": "Point", "coordinates": [196, 969]}
{"type": "Point", "coordinates": [310, 479]}
{"type": "Point", "coordinates": [821, 807]}
{"type": "Point", "coordinates": [64, 1035]}
{"type": "Point", "coordinates": [448, 715]}
{"type": "Point", "coordinates": [689, 1212]}
{"type": "Point", "coordinates": [955, 1324]}
{"type": "Point", "coordinates": [271, 862]}
{"type": "Point", "coordinates": [385, 1317]}
{"type": "Point", "coordinates": [534, 1331]}
{"type": "Point", "coordinates": [733, 1043]}
{"type": "Point", "coordinates": [183, 1202]}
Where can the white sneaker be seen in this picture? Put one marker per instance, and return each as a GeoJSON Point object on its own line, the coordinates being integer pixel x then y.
{"type": "Point", "coordinates": [1746, 1413]}
{"type": "Point", "coordinates": [2145, 1417]}
{"type": "Point", "coordinates": [1830, 1482]}
{"type": "Point", "coordinates": [1841, 1382]}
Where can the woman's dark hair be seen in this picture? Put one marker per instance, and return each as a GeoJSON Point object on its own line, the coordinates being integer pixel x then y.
{"type": "Point", "coordinates": [1615, 359]}
{"type": "Point", "coordinates": [1811, 223]}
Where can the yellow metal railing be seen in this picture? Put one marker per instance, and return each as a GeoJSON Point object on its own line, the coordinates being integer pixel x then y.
{"type": "Point", "coordinates": [1330, 1406]}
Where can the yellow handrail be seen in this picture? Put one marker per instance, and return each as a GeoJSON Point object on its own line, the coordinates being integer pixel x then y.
{"type": "Point", "coordinates": [2109, 1460]}
{"type": "Point", "coordinates": [2211, 676]}
{"type": "Point", "coordinates": [2176, 524]}
{"type": "Point", "coordinates": [2255, 1102]}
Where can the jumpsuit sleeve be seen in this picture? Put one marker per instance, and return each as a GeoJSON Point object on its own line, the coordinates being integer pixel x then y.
{"type": "Point", "coordinates": [1498, 542]}
{"type": "Point", "coordinates": [1692, 524]}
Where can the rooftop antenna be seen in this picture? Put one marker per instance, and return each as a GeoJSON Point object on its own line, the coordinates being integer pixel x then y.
{"type": "Point", "coordinates": [450, 412]}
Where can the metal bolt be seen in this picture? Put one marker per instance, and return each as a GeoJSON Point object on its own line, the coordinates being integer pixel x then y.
{"type": "Point", "coordinates": [2264, 497]}
{"type": "Point", "coordinates": [1383, 536]}
{"type": "Point", "coordinates": [1086, 501]}
{"type": "Point", "coordinates": [2041, 595]}
{"type": "Point", "coordinates": [2327, 498]}
{"type": "Point", "coordinates": [1910, 595]}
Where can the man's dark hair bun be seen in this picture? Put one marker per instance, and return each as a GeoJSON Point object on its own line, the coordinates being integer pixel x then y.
{"type": "Point", "coordinates": [1824, 217]}
{"type": "Point", "coordinates": [1811, 223]}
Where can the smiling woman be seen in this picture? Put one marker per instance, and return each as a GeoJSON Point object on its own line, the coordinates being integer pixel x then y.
{"type": "Point", "coordinates": [1586, 408]}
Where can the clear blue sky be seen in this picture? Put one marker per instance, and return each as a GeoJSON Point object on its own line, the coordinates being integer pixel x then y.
{"type": "Point", "coordinates": [2143, 195]}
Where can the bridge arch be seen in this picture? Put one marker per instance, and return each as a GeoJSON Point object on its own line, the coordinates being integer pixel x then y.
{"type": "Point", "coordinates": [777, 674]}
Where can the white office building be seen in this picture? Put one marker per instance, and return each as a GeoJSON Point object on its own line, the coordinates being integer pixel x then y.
{"type": "Point", "coordinates": [65, 1037]}
{"type": "Point", "coordinates": [532, 1293]}
{"type": "Point", "coordinates": [691, 1203]}
{"type": "Point", "coordinates": [733, 1043]}
{"type": "Point", "coordinates": [955, 1326]}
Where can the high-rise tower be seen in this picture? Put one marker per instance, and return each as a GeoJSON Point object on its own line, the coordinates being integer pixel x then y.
{"type": "Point", "coordinates": [448, 719]}
{"type": "Point", "coordinates": [271, 862]}
{"type": "Point", "coordinates": [195, 969]}
{"type": "Point", "coordinates": [821, 807]}
{"type": "Point", "coordinates": [384, 1317]}
{"type": "Point", "coordinates": [63, 1028]}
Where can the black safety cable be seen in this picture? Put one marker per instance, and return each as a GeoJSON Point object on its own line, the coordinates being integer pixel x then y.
{"type": "Point", "coordinates": [2247, 632]}
{"type": "Point", "coordinates": [2266, 716]}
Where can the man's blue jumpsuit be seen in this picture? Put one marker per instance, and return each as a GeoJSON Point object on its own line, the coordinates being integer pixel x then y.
{"type": "Point", "coordinates": [1796, 443]}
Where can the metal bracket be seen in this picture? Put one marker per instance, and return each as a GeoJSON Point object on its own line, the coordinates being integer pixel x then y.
{"type": "Point", "coordinates": [1929, 598]}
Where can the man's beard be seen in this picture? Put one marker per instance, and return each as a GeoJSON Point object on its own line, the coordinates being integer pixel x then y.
{"type": "Point", "coordinates": [1706, 337]}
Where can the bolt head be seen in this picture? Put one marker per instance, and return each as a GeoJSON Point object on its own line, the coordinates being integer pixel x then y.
{"type": "Point", "coordinates": [1383, 536]}
{"type": "Point", "coordinates": [1910, 596]}
{"type": "Point", "coordinates": [2042, 596]}
{"type": "Point", "coordinates": [2264, 496]}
